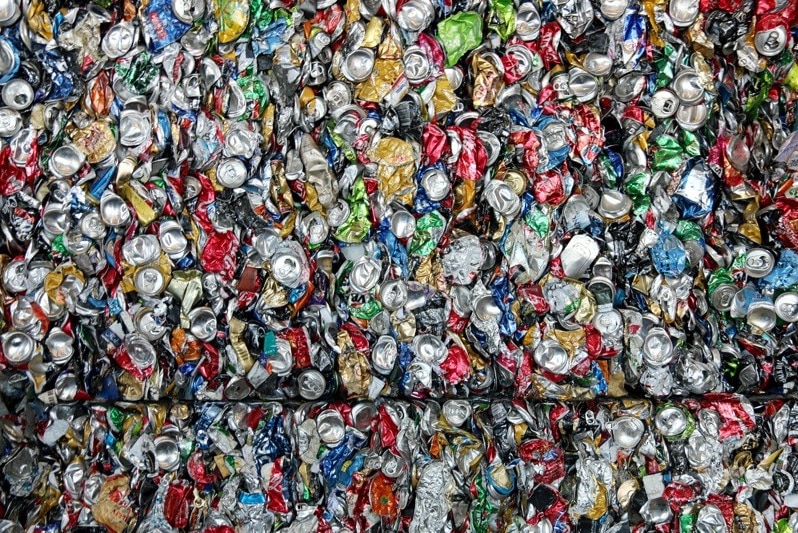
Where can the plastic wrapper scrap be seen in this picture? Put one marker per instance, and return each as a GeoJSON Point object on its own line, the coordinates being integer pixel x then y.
{"type": "Point", "coordinates": [719, 463]}
{"type": "Point", "coordinates": [227, 200]}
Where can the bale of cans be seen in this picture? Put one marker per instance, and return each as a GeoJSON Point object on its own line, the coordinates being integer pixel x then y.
{"type": "Point", "coordinates": [360, 265]}
{"type": "Point", "coordinates": [227, 200]}
{"type": "Point", "coordinates": [720, 464]}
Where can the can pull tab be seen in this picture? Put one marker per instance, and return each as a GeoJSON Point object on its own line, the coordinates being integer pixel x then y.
{"type": "Point", "coordinates": [200, 503]}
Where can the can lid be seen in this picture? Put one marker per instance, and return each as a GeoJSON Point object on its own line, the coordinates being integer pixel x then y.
{"type": "Point", "coordinates": [149, 281]}
{"type": "Point", "coordinates": [18, 94]}
{"type": "Point", "coordinates": [383, 354]}
{"type": "Point", "coordinates": [613, 9]}
{"type": "Point", "coordinates": [787, 306]}
{"type": "Point", "coordinates": [18, 347]}
{"type": "Point", "coordinates": [771, 42]}
{"type": "Point", "coordinates": [188, 10]}
{"type": "Point", "coordinates": [119, 40]}
{"type": "Point", "coordinates": [311, 385]}
{"type": "Point", "coordinates": [551, 356]}
{"type": "Point", "coordinates": [203, 323]}
{"type": "Point", "coordinates": [358, 65]}
{"type": "Point", "coordinates": [683, 12]}
{"type": "Point", "coordinates": [456, 412]}
{"type": "Point", "coordinates": [417, 66]}
{"type": "Point", "coordinates": [597, 64]}
{"type": "Point", "coordinates": [231, 173]}
{"type": "Point", "coordinates": [657, 347]}
{"type": "Point", "coordinates": [722, 297]}
{"type": "Point", "coordinates": [527, 22]}
{"type": "Point", "coordinates": [415, 15]}
{"type": "Point", "coordinates": [759, 262]}
{"type": "Point", "coordinates": [761, 315]}
{"type": "Point", "coordinates": [664, 103]}
{"type": "Point", "coordinates": [688, 87]}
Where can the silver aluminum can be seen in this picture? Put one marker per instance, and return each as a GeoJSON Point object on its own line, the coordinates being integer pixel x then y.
{"type": "Point", "coordinates": [787, 306]}
{"type": "Point", "coordinates": [613, 9]}
{"type": "Point", "coordinates": [167, 453]}
{"type": "Point", "coordinates": [312, 384]}
{"type": "Point", "coordinates": [436, 184]}
{"type": "Point", "coordinates": [664, 103]}
{"type": "Point", "coordinates": [119, 40]}
{"type": "Point", "coordinates": [393, 294]}
{"type": "Point", "coordinates": [358, 65]}
{"type": "Point", "coordinates": [141, 249]}
{"type": "Point", "coordinates": [148, 324]}
{"type": "Point", "coordinates": [761, 315]}
{"type": "Point", "coordinates": [578, 255]}
{"type": "Point", "coordinates": [18, 347]}
{"type": "Point", "coordinates": [363, 415]}
{"type": "Point", "coordinates": [365, 274]}
{"type": "Point", "coordinates": [456, 412]}
{"type": "Point", "coordinates": [59, 346]}
{"type": "Point", "coordinates": [114, 211]}
{"type": "Point", "coordinates": [66, 161]}
{"type": "Point", "coordinates": [188, 10]}
{"type": "Point", "coordinates": [692, 117]}
{"type": "Point", "coordinates": [527, 22]}
{"type": "Point", "coordinates": [770, 43]}
{"type": "Point", "coordinates": [141, 352]}
{"type": "Point", "coordinates": [417, 67]}
{"type": "Point", "coordinates": [683, 12]}
{"type": "Point", "coordinates": [552, 357]}
{"type": "Point", "coordinates": [18, 94]}
{"type": "Point", "coordinates": [231, 173]}
{"type": "Point", "coordinates": [429, 348]}
{"type": "Point", "coordinates": [597, 64]}
{"type": "Point", "coordinates": [672, 422]}
{"type": "Point", "coordinates": [403, 224]}
{"type": "Point", "coordinates": [627, 431]}
{"type": "Point", "coordinates": [722, 297]}
{"type": "Point", "coordinates": [758, 262]}
{"type": "Point", "coordinates": [416, 15]}
{"type": "Point", "coordinates": [383, 354]}
{"type": "Point", "coordinates": [657, 347]}
{"type": "Point", "coordinates": [149, 281]}
{"type": "Point", "coordinates": [502, 198]}
{"type": "Point", "coordinates": [331, 427]}
{"type": "Point", "coordinates": [282, 362]}
{"type": "Point", "coordinates": [203, 324]}
{"type": "Point", "coordinates": [688, 87]}
{"type": "Point", "coordinates": [171, 238]}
